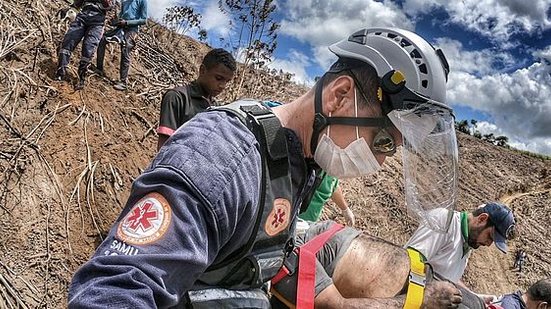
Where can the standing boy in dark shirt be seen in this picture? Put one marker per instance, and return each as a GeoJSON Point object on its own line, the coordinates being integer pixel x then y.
{"type": "Point", "coordinates": [182, 103]}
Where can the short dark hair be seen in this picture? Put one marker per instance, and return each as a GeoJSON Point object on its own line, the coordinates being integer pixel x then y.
{"type": "Point", "coordinates": [480, 210]}
{"type": "Point", "coordinates": [219, 55]}
{"type": "Point", "coordinates": [363, 74]}
{"type": "Point", "coordinates": [541, 291]}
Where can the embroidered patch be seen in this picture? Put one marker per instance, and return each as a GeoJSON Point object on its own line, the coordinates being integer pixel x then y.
{"type": "Point", "coordinates": [279, 217]}
{"type": "Point", "coordinates": [147, 221]}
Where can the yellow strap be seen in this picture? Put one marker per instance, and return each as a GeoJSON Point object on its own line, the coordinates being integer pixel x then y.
{"type": "Point", "coordinates": [417, 279]}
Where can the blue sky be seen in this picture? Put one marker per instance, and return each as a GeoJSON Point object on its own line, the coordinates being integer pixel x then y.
{"type": "Point", "coordinates": [499, 51]}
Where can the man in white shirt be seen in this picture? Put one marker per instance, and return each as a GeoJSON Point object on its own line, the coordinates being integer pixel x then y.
{"type": "Point", "coordinates": [448, 252]}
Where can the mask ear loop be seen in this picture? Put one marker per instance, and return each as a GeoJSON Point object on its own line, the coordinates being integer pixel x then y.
{"type": "Point", "coordinates": [356, 111]}
{"type": "Point", "coordinates": [329, 127]}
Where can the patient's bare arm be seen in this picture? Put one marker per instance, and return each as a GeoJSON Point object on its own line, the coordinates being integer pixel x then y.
{"type": "Point", "coordinates": [438, 294]}
{"type": "Point", "coordinates": [331, 298]}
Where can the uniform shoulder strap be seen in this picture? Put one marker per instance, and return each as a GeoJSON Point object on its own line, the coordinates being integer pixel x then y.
{"type": "Point", "coordinates": [273, 148]}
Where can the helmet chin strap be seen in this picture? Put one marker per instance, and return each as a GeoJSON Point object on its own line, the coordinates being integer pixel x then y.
{"type": "Point", "coordinates": [321, 121]}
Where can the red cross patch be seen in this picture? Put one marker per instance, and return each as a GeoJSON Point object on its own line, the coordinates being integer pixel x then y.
{"type": "Point", "coordinates": [147, 221]}
{"type": "Point", "coordinates": [142, 216]}
{"type": "Point", "coordinates": [279, 217]}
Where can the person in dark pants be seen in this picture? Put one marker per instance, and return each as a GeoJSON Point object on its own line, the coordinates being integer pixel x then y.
{"type": "Point", "coordinates": [133, 14]}
{"type": "Point", "coordinates": [181, 103]}
{"type": "Point", "coordinates": [519, 260]}
{"type": "Point", "coordinates": [88, 25]}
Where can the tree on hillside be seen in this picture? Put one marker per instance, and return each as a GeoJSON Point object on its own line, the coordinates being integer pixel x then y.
{"type": "Point", "coordinates": [502, 141]}
{"type": "Point", "coordinates": [181, 19]}
{"type": "Point", "coordinates": [473, 127]}
{"type": "Point", "coordinates": [489, 138]}
{"type": "Point", "coordinates": [255, 29]}
{"type": "Point", "coordinates": [463, 126]}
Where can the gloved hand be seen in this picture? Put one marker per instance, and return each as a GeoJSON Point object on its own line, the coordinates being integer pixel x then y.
{"type": "Point", "coordinates": [348, 216]}
{"type": "Point", "coordinates": [488, 298]}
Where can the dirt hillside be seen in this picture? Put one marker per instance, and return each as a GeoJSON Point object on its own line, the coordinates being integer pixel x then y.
{"type": "Point", "coordinates": [67, 161]}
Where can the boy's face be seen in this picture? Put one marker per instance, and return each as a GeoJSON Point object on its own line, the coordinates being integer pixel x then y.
{"type": "Point", "coordinates": [215, 79]}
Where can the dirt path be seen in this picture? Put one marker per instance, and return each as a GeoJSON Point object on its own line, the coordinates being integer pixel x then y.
{"type": "Point", "coordinates": [508, 199]}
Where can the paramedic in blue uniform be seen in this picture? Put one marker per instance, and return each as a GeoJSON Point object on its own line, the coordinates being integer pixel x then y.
{"type": "Point", "coordinates": [195, 205]}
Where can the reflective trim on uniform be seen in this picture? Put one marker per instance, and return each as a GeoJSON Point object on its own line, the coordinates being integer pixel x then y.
{"type": "Point", "coordinates": [218, 294]}
{"type": "Point", "coordinates": [270, 262]}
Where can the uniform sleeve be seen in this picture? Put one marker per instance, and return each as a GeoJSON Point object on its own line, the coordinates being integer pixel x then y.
{"type": "Point", "coordinates": [183, 213]}
{"type": "Point", "coordinates": [134, 268]}
{"type": "Point", "coordinates": [511, 302]}
{"type": "Point", "coordinates": [172, 107]}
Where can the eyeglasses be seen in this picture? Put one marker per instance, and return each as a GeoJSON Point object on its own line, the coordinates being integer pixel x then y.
{"type": "Point", "coordinates": [384, 144]}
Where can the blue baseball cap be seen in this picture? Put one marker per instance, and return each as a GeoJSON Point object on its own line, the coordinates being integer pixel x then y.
{"type": "Point", "coordinates": [504, 223]}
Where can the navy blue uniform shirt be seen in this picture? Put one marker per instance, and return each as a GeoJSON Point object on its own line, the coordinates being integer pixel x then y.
{"type": "Point", "coordinates": [193, 206]}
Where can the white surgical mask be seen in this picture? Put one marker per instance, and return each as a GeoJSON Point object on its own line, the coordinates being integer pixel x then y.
{"type": "Point", "coordinates": [355, 160]}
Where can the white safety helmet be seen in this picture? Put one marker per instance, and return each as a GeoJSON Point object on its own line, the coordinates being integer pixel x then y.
{"type": "Point", "coordinates": [413, 76]}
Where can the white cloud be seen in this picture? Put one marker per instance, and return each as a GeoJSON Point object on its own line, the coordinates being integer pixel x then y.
{"type": "Point", "coordinates": [543, 53]}
{"type": "Point", "coordinates": [156, 9]}
{"type": "Point", "coordinates": [478, 62]}
{"type": "Point", "coordinates": [495, 19]}
{"type": "Point", "coordinates": [537, 145]}
{"type": "Point", "coordinates": [323, 22]}
{"type": "Point", "coordinates": [296, 64]}
{"type": "Point", "coordinates": [518, 102]}
{"type": "Point", "coordinates": [215, 21]}
{"type": "Point", "coordinates": [415, 7]}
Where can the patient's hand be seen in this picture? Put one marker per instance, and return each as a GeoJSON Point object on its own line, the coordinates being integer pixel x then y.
{"type": "Point", "coordinates": [441, 294]}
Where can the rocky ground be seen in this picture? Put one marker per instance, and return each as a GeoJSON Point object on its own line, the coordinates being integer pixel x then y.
{"type": "Point", "coordinates": [67, 161]}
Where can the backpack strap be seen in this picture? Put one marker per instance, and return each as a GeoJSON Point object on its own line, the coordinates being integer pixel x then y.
{"type": "Point", "coordinates": [263, 251]}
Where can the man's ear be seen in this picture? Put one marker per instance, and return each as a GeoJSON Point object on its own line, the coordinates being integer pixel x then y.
{"type": "Point", "coordinates": [543, 305]}
{"type": "Point", "coordinates": [341, 90]}
{"type": "Point", "coordinates": [483, 218]}
{"type": "Point", "coordinates": [202, 69]}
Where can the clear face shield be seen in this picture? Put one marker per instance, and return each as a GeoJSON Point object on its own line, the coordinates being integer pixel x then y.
{"type": "Point", "coordinates": [430, 159]}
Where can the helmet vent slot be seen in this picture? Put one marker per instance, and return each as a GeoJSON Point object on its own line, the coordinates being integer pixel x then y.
{"type": "Point", "coordinates": [391, 35]}
{"type": "Point", "coordinates": [424, 83]}
{"type": "Point", "coordinates": [415, 54]}
{"type": "Point", "coordinates": [405, 43]}
{"type": "Point", "coordinates": [423, 68]}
